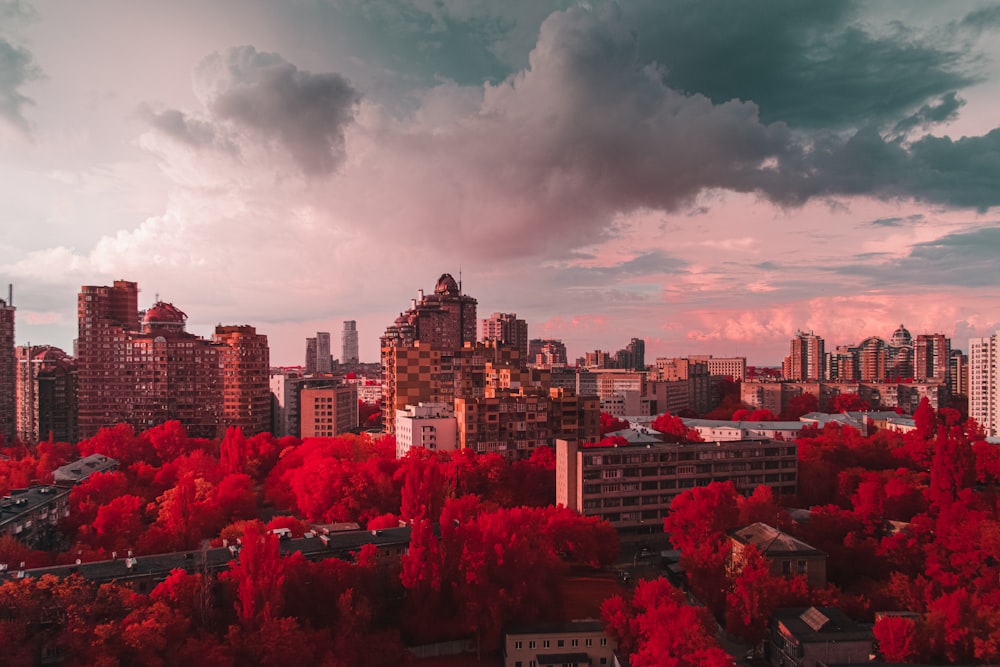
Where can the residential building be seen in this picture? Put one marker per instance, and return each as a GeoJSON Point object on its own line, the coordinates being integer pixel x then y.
{"type": "Point", "coordinates": [246, 393]}
{"type": "Point", "coordinates": [775, 396]}
{"type": "Point", "coordinates": [46, 394]}
{"type": "Point", "coordinates": [507, 329]}
{"type": "Point", "coordinates": [429, 425]}
{"type": "Point", "coordinates": [734, 368]}
{"type": "Point", "coordinates": [445, 319]}
{"type": "Point", "coordinates": [284, 409]}
{"type": "Point", "coordinates": [786, 555]}
{"type": "Point", "coordinates": [31, 515]}
{"type": "Point", "coordinates": [577, 643]}
{"type": "Point", "coordinates": [310, 365]}
{"type": "Point", "coordinates": [327, 407]}
{"type": "Point", "coordinates": [632, 486]}
{"type": "Point", "coordinates": [695, 374]}
{"type": "Point", "coordinates": [807, 358]}
{"type": "Point", "coordinates": [547, 352]}
{"type": "Point", "coordinates": [633, 356]}
{"type": "Point", "coordinates": [958, 374]}
{"type": "Point", "coordinates": [984, 382]}
{"type": "Point", "coordinates": [718, 430]}
{"type": "Point", "coordinates": [147, 371]}
{"type": "Point", "coordinates": [8, 370]}
{"type": "Point", "coordinates": [349, 343]}
{"type": "Point", "coordinates": [318, 358]}
{"type": "Point", "coordinates": [79, 470]}
{"type": "Point", "coordinates": [817, 636]}
{"type": "Point", "coordinates": [932, 358]}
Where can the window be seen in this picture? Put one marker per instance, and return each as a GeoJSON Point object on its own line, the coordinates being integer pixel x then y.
{"type": "Point", "coordinates": [575, 642]}
{"type": "Point", "coordinates": [588, 642]}
{"type": "Point", "coordinates": [604, 641]}
{"type": "Point", "coordinates": [545, 643]}
{"type": "Point", "coordinates": [531, 644]}
{"type": "Point", "coordinates": [517, 664]}
{"type": "Point", "coordinates": [801, 567]}
{"type": "Point", "coordinates": [560, 643]}
{"type": "Point", "coordinates": [518, 644]}
{"type": "Point", "coordinates": [786, 567]}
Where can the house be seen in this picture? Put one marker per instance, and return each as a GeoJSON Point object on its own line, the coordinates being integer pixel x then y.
{"type": "Point", "coordinates": [787, 555]}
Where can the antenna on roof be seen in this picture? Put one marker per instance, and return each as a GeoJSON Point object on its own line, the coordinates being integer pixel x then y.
{"type": "Point", "coordinates": [156, 298]}
{"type": "Point", "coordinates": [459, 278]}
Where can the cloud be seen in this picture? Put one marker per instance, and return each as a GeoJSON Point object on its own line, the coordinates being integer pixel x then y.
{"type": "Point", "coordinates": [16, 68]}
{"type": "Point", "coordinates": [897, 221]}
{"type": "Point", "coordinates": [962, 259]}
{"type": "Point", "coordinates": [253, 97]}
{"type": "Point", "coordinates": [944, 109]}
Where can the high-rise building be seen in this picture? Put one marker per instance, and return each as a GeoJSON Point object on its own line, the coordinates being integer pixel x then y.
{"type": "Point", "coordinates": [506, 329]}
{"type": "Point", "coordinates": [349, 343]}
{"type": "Point", "coordinates": [328, 409]}
{"type": "Point", "coordinates": [46, 394]}
{"type": "Point", "coordinates": [310, 365]}
{"type": "Point", "coordinates": [547, 353]}
{"type": "Point", "coordinates": [418, 350]}
{"type": "Point", "coordinates": [984, 382]}
{"type": "Point", "coordinates": [807, 358]}
{"type": "Point", "coordinates": [931, 358]}
{"type": "Point", "coordinates": [246, 391]}
{"type": "Point", "coordinates": [633, 357]}
{"type": "Point", "coordinates": [8, 364]}
{"type": "Point", "coordinates": [324, 362]}
{"type": "Point", "coordinates": [958, 373]}
{"type": "Point", "coordinates": [145, 372]}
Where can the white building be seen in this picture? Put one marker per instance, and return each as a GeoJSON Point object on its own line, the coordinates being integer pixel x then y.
{"type": "Point", "coordinates": [429, 425]}
{"type": "Point", "coordinates": [984, 383]}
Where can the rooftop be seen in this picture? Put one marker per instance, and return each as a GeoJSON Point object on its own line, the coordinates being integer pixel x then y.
{"type": "Point", "coordinates": [771, 541]}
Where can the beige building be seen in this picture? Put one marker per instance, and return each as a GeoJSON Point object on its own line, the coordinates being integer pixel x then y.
{"type": "Point", "coordinates": [632, 486]}
{"type": "Point", "coordinates": [428, 425]}
{"type": "Point", "coordinates": [817, 636]}
{"type": "Point", "coordinates": [326, 411]}
{"type": "Point", "coordinates": [579, 643]}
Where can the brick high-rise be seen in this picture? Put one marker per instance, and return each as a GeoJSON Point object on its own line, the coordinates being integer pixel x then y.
{"type": "Point", "coordinates": [807, 358]}
{"type": "Point", "coordinates": [245, 360]}
{"type": "Point", "coordinates": [507, 329]}
{"type": "Point", "coordinates": [145, 373]}
{"type": "Point", "coordinates": [46, 394]}
{"type": "Point", "coordinates": [931, 358]}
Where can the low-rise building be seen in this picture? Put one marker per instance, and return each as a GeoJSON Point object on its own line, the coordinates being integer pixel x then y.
{"type": "Point", "coordinates": [725, 430]}
{"type": "Point", "coordinates": [31, 515]}
{"type": "Point", "coordinates": [786, 555]}
{"type": "Point", "coordinates": [817, 636]}
{"type": "Point", "coordinates": [81, 469]}
{"type": "Point", "coordinates": [632, 486]}
{"type": "Point", "coordinates": [428, 425]}
{"type": "Point", "coordinates": [579, 643]}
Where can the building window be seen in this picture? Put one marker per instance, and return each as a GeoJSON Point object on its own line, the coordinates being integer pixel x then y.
{"type": "Point", "coordinates": [604, 641]}
{"type": "Point", "coordinates": [560, 643]}
{"type": "Point", "coordinates": [802, 567]}
{"type": "Point", "coordinates": [517, 645]}
{"type": "Point", "coordinates": [575, 642]}
{"type": "Point", "coordinates": [588, 642]}
{"type": "Point", "coordinates": [531, 644]}
{"type": "Point", "coordinates": [545, 643]}
{"type": "Point", "coordinates": [786, 567]}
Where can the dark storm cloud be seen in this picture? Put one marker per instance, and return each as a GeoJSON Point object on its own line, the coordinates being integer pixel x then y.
{"type": "Point", "coordinates": [304, 112]}
{"type": "Point", "coordinates": [943, 110]}
{"type": "Point", "coordinates": [983, 19]}
{"type": "Point", "coordinates": [897, 222]}
{"type": "Point", "coordinates": [16, 68]}
{"type": "Point", "coordinates": [966, 259]}
{"type": "Point", "coordinates": [252, 97]}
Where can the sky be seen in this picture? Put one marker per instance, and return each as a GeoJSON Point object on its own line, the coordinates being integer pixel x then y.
{"type": "Point", "coordinates": [708, 176]}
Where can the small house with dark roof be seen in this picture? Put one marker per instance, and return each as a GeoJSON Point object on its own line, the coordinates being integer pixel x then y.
{"type": "Point", "coordinates": [817, 637]}
{"type": "Point", "coordinates": [787, 555]}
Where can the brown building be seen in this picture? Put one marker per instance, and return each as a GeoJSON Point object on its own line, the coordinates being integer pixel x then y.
{"type": "Point", "coordinates": [146, 372]}
{"type": "Point", "coordinates": [807, 358]}
{"type": "Point", "coordinates": [632, 486]}
{"type": "Point", "coordinates": [8, 365]}
{"type": "Point", "coordinates": [444, 319]}
{"type": "Point", "coordinates": [547, 352]}
{"type": "Point", "coordinates": [932, 358]}
{"type": "Point", "coordinates": [246, 391]}
{"type": "Point", "coordinates": [330, 410]}
{"type": "Point", "coordinates": [506, 329]}
{"type": "Point", "coordinates": [695, 374]}
{"type": "Point", "coordinates": [46, 394]}
{"type": "Point", "coordinates": [786, 555]}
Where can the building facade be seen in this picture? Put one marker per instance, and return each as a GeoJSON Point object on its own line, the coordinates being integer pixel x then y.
{"type": "Point", "coordinates": [349, 343]}
{"type": "Point", "coordinates": [984, 382]}
{"type": "Point", "coordinates": [579, 643]}
{"type": "Point", "coordinates": [633, 486]}
{"type": "Point", "coordinates": [507, 329]}
{"type": "Point", "coordinates": [807, 357]}
{"type": "Point", "coordinates": [46, 394]}
{"type": "Point", "coordinates": [327, 409]}
{"type": "Point", "coordinates": [8, 366]}
{"type": "Point", "coordinates": [428, 425]}
{"type": "Point", "coordinates": [246, 393]}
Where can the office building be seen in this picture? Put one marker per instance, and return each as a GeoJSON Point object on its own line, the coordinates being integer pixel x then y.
{"type": "Point", "coordinates": [349, 343]}
{"type": "Point", "coordinates": [327, 409]}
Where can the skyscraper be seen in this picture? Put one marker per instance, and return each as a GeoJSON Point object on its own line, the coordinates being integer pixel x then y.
{"type": "Point", "coordinates": [931, 358]}
{"type": "Point", "coordinates": [323, 360]}
{"type": "Point", "coordinates": [46, 394]}
{"type": "Point", "coordinates": [506, 329]}
{"type": "Point", "coordinates": [349, 343]}
{"type": "Point", "coordinates": [8, 365]}
{"type": "Point", "coordinates": [984, 382]}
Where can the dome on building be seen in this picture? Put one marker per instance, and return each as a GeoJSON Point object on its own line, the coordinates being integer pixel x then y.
{"type": "Point", "coordinates": [164, 314]}
{"type": "Point", "coordinates": [50, 354]}
{"type": "Point", "coordinates": [901, 337]}
{"type": "Point", "coordinates": [446, 285]}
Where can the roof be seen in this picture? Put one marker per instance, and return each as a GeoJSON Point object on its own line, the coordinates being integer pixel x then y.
{"type": "Point", "coordinates": [576, 625]}
{"type": "Point", "coordinates": [821, 624]}
{"type": "Point", "coordinates": [81, 469]}
{"type": "Point", "coordinates": [638, 436]}
{"type": "Point", "coordinates": [164, 313]}
{"type": "Point", "coordinates": [754, 425]}
{"type": "Point", "coordinates": [22, 501]}
{"type": "Point", "coordinates": [773, 542]}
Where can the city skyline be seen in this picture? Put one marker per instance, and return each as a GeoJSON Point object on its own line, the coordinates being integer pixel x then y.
{"type": "Point", "coordinates": [592, 168]}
